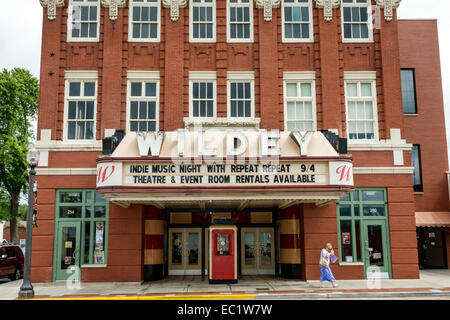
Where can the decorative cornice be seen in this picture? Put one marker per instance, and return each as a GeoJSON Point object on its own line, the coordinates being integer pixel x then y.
{"type": "Point", "coordinates": [51, 7]}
{"type": "Point", "coordinates": [267, 5]}
{"type": "Point", "coordinates": [328, 6]}
{"type": "Point", "coordinates": [174, 6]}
{"type": "Point", "coordinates": [389, 6]}
{"type": "Point", "coordinates": [114, 6]}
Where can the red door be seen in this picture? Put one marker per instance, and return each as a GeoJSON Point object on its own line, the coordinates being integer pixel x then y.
{"type": "Point", "coordinates": [223, 255]}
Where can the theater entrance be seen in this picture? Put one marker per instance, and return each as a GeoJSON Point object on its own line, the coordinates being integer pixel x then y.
{"type": "Point", "coordinates": [185, 251]}
{"type": "Point", "coordinates": [257, 251]}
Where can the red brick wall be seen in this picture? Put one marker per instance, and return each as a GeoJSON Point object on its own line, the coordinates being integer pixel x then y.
{"type": "Point", "coordinates": [125, 247]}
{"type": "Point", "coordinates": [320, 227]}
{"type": "Point", "coordinates": [419, 49]}
{"type": "Point", "coordinates": [7, 234]}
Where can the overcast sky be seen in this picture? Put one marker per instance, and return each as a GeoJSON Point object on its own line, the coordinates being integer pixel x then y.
{"type": "Point", "coordinates": [21, 31]}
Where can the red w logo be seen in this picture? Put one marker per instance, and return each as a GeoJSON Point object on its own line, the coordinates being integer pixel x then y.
{"type": "Point", "coordinates": [344, 172]}
{"type": "Point", "coordinates": [103, 175]}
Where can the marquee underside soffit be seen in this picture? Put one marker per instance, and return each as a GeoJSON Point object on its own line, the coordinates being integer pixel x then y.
{"type": "Point", "coordinates": [237, 201]}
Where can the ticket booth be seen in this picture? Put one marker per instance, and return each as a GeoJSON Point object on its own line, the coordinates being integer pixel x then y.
{"type": "Point", "coordinates": [222, 254]}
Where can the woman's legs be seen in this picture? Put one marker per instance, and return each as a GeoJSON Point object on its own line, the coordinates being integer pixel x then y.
{"type": "Point", "coordinates": [327, 275]}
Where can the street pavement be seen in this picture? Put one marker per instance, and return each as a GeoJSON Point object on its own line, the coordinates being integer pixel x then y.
{"type": "Point", "coordinates": [433, 284]}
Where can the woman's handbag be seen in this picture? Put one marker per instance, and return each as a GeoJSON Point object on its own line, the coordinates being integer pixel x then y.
{"type": "Point", "coordinates": [333, 258]}
{"type": "Point", "coordinates": [323, 262]}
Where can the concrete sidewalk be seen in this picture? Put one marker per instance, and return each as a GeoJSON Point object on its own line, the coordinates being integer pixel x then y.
{"type": "Point", "coordinates": [431, 282]}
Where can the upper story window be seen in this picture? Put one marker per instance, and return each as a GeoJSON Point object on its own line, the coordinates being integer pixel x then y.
{"type": "Point", "coordinates": [83, 21]}
{"type": "Point", "coordinates": [417, 174]}
{"type": "Point", "coordinates": [241, 95]}
{"type": "Point", "coordinates": [408, 91]}
{"type": "Point", "coordinates": [144, 20]}
{"type": "Point", "coordinates": [143, 101]}
{"type": "Point", "coordinates": [202, 22]}
{"type": "Point", "coordinates": [362, 119]}
{"type": "Point", "coordinates": [80, 105]}
{"type": "Point", "coordinates": [357, 21]}
{"type": "Point", "coordinates": [299, 101]}
{"type": "Point", "coordinates": [202, 88]}
{"type": "Point", "coordinates": [297, 21]}
{"type": "Point", "coordinates": [240, 20]}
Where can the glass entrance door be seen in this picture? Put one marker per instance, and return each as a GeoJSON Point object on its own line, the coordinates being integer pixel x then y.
{"type": "Point", "coordinates": [68, 251]}
{"type": "Point", "coordinates": [185, 251]}
{"type": "Point", "coordinates": [257, 253]}
{"type": "Point", "coordinates": [375, 255]}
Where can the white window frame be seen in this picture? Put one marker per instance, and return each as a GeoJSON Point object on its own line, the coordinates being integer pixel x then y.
{"type": "Point", "coordinates": [202, 76]}
{"type": "Point", "coordinates": [300, 77]}
{"type": "Point", "coordinates": [311, 22]}
{"type": "Point", "coordinates": [79, 76]}
{"type": "Point", "coordinates": [241, 76]}
{"type": "Point", "coordinates": [142, 76]}
{"type": "Point", "coordinates": [240, 5]}
{"type": "Point", "coordinates": [191, 22]}
{"type": "Point", "coordinates": [132, 4]}
{"type": "Point", "coordinates": [69, 21]}
{"type": "Point", "coordinates": [369, 22]}
{"type": "Point", "coordinates": [356, 77]}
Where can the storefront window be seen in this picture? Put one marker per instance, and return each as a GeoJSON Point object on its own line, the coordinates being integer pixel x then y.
{"type": "Point", "coordinates": [358, 240]}
{"type": "Point", "coordinates": [373, 205]}
{"type": "Point", "coordinates": [374, 210]}
{"type": "Point", "coordinates": [89, 209]}
{"type": "Point", "coordinates": [87, 242]}
{"type": "Point", "coordinates": [346, 240]}
{"type": "Point", "coordinates": [71, 197]}
{"type": "Point", "coordinates": [373, 195]}
{"type": "Point", "coordinates": [70, 212]}
{"type": "Point", "coordinates": [345, 211]}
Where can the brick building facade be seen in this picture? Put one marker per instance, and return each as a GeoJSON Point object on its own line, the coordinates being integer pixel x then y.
{"type": "Point", "coordinates": [7, 231]}
{"type": "Point", "coordinates": [234, 66]}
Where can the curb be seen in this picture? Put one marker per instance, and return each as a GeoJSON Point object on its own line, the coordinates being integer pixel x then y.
{"type": "Point", "coordinates": [261, 296]}
{"type": "Point", "coordinates": [354, 295]}
{"type": "Point", "coordinates": [165, 297]}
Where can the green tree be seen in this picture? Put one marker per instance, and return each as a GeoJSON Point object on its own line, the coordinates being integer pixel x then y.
{"type": "Point", "coordinates": [4, 205]}
{"type": "Point", "coordinates": [19, 92]}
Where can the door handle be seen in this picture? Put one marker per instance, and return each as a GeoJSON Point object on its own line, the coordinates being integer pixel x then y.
{"type": "Point", "coordinates": [75, 253]}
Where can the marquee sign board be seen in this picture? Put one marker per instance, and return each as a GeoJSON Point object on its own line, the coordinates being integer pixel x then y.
{"type": "Point", "coordinates": [286, 174]}
{"type": "Point", "coordinates": [286, 160]}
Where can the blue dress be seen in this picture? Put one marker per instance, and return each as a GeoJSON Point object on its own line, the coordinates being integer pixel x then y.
{"type": "Point", "coordinates": [326, 274]}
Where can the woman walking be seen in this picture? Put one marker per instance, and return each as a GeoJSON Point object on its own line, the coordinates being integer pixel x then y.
{"type": "Point", "coordinates": [327, 275]}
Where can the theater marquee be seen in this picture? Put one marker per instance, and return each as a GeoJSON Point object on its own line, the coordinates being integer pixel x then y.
{"type": "Point", "coordinates": [224, 160]}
